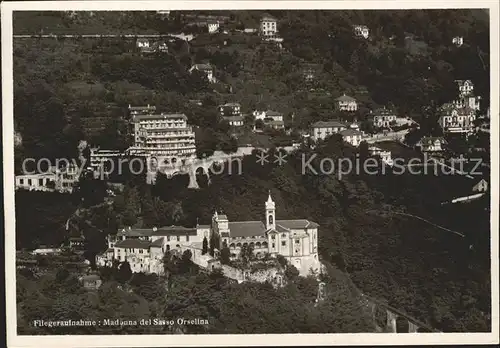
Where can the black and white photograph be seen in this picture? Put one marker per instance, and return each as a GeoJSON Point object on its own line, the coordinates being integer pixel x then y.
{"type": "Point", "coordinates": [206, 169]}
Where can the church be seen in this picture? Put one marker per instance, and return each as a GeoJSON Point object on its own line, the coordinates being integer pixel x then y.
{"type": "Point", "coordinates": [296, 240]}
{"type": "Point", "coordinates": [143, 248]}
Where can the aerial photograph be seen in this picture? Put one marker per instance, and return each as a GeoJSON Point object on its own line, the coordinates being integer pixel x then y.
{"type": "Point", "coordinates": [252, 171]}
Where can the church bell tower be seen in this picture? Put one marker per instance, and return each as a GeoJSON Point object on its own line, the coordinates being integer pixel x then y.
{"type": "Point", "coordinates": [270, 213]}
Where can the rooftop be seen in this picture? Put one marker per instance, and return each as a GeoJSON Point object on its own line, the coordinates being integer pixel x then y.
{"type": "Point", "coordinates": [202, 67]}
{"type": "Point", "coordinates": [448, 108]}
{"type": "Point", "coordinates": [345, 98]}
{"type": "Point", "coordinates": [432, 140]}
{"type": "Point", "coordinates": [157, 231]}
{"type": "Point", "coordinates": [273, 113]}
{"type": "Point", "coordinates": [138, 108]}
{"type": "Point", "coordinates": [234, 118]}
{"type": "Point", "coordinates": [296, 224]}
{"type": "Point", "coordinates": [268, 18]}
{"type": "Point", "coordinates": [247, 228]}
{"type": "Point", "coordinates": [91, 277]}
{"type": "Point", "coordinates": [159, 117]}
{"type": "Point", "coordinates": [462, 82]}
{"type": "Point", "coordinates": [384, 112]}
{"type": "Point", "coordinates": [135, 232]}
{"type": "Point", "coordinates": [231, 104]}
{"type": "Point", "coordinates": [350, 131]}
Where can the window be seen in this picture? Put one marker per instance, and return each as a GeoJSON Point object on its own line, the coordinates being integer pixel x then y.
{"type": "Point", "coordinates": [29, 182]}
{"type": "Point", "coordinates": [283, 243]}
{"type": "Point", "coordinates": [21, 181]}
{"type": "Point", "coordinates": [283, 235]}
{"type": "Point", "coordinates": [273, 237]}
{"type": "Point", "coordinates": [178, 238]}
{"type": "Point", "coordinates": [187, 238]}
{"type": "Point", "coordinates": [40, 182]}
{"type": "Point", "coordinates": [273, 245]}
{"type": "Point", "coordinates": [297, 241]}
{"type": "Point", "coordinates": [168, 238]}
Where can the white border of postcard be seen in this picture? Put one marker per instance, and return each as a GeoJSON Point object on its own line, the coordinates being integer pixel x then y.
{"type": "Point", "coordinates": [233, 340]}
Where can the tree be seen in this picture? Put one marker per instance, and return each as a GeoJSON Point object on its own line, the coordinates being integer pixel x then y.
{"type": "Point", "coordinates": [225, 256]}
{"type": "Point", "coordinates": [124, 272]}
{"type": "Point", "coordinates": [213, 244]}
{"type": "Point", "coordinates": [291, 272]}
{"type": "Point", "coordinates": [205, 246]}
{"type": "Point", "coordinates": [246, 254]}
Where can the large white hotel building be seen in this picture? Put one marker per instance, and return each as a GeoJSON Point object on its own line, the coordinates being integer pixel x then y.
{"type": "Point", "coordinates": [162, 135]}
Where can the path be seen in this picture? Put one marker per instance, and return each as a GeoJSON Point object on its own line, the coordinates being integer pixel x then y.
{"type": "Point", "coordinates": [97, 36]}
{"type": "Point", "coordinates": [420, 218]}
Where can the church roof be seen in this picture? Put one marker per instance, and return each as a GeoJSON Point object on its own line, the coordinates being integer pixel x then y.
{"type": "Point", "coordinates": [296, 224]}
{"type": "Point", "coordinates": [247, 228]}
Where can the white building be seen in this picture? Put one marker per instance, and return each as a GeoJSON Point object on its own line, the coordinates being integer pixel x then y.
{"type": "Point", "coordinates": [230, 109]}
{"type": "Point", "coordinates": [163, 135]}
{"type": "Point", "coordinates": [142, 43]}
{"type": "Point", "coordinates": [268, 26]}
{"type": "Point", "coordinates": [384, 155]}
{"type": "Point", "coordinates": [352, 136]}
{"type": "Point", "coordinates": [235, 121]}
{"type": "Point", "coordinates": [470, 101]}
{"type": "Point", "coordinates": [481, 186]}
{"type": "Point", "coordinates": [431, 144]}
{"type": "Point", "coordinates": [458, 41]}
{"type": "Point", "coordinates": [206, 69]}
{"type": "Point", "coordinates": [346, 103]}
{"type": "Point", "coordinates": [262, 115]}
{"type": "Point", "coordinates": [141, 110]}
{"type": "Point", "coordinates": [54, 179]}
{"type": "Point", "coordinates": [465, 87]}
{"type": "Point", "coordinates": [46, 251]}
{"type": "Point", "coordinates": [296, 240]}
{"type": "Point", "coordinates": [213, 26]}
{"type": "Point", "coordinates": [271, 119]}
{"type": "Point", "coordinates": [144, 249]}
{"type": "Point", "coordinates": [361, 31]}
{"type": "Point", "coordinates": [384, 117]}
{"type": "Point", "coordinates": [456, 120]}
{"type": "Point", "coordinates": [323, 129]}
